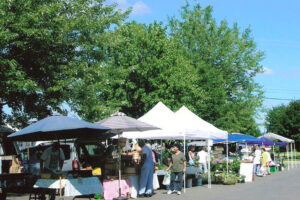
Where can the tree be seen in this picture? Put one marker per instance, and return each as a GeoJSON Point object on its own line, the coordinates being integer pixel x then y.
{"type": "Point", "coordinates": [46, 47]}
{"type": "Point", "coordinates": [285, 120]}
{"type": "Point", "coordinates": [143, 66]}
{"type": "Point", "coordinates": [226, 61]}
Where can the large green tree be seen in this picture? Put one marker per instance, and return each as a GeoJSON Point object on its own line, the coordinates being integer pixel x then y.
{"type": "Point", "coordinates": [143, 66]}
{"type": "Point", "coordinates": [226, 61]}
{"type": "Point", "coordinates": [47, 47]}
{"type": "Point", "coordinates": [285, 120]}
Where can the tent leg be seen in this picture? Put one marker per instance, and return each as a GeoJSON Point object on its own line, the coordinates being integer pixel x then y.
{"type": "Point", "coordinates": [295, 155]}
{"type": "Point", "coordinates": [227, 157]}
{"type": "Point", "coordinates": [209, 178]}
{"type": "Point", "coordinates": [288, 156]}
{"type": "Point", "coordinates": [184, 155]}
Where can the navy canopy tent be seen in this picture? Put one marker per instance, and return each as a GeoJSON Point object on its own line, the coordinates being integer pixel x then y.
{"type": "Point", "coordinates": [60, 127]}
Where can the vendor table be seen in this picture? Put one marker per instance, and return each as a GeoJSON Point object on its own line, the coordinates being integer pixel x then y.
{"type": "Point", "coordinates": [111, 189]}
{"type": "Point", "coordinates": [73, 186]}
{"type": "Point", "coordinates": [189, 170]}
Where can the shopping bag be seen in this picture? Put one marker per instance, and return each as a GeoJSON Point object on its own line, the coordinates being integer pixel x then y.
{"type": "Point", "coordinates": [167, 179]}
{"type": "Point", "coordinates": [191, 162]}
{"type": "Point", "coordinates": [155, 182]}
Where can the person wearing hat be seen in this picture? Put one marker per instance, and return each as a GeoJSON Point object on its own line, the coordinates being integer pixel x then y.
{"type": "Point", "coordinates": [146, 177]}
{"type": "Point", "coordinates": [178, 168]}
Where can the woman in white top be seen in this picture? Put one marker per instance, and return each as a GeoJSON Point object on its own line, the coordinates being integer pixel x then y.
{"type": "Point", "coordinates": [256, 160]}
{"type": "Point", "coordinates": [202, 159]}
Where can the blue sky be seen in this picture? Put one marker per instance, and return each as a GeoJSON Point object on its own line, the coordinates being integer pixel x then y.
{"type": "Point", "coordinates": [275, 26]}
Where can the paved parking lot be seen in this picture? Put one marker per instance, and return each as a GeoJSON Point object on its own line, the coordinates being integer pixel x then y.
{"type": "Point", "coordinates": [279, 186]}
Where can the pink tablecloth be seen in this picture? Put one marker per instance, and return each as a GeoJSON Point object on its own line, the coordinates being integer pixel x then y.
{"type": "Point", "coordinates": [111, 189]}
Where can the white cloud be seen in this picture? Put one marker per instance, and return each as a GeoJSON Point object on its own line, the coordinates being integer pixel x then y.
{"type": "Point", "coordinates": [267, 71]}
{"type": "Point", "coordinates": [138, 8]}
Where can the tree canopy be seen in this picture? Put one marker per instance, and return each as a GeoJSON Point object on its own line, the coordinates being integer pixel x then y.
{"type": "Point", "coordinates": [45, 47]}
{"type": "Point", "coordinates": [82, 53]}
{"type": "Point", "coordinates": [226, 61]}
{"type": "Point", "coordinates": [285, 120]}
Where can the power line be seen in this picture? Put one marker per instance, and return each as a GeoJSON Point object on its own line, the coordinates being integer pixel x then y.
{"type": "Point", "coordinates": [293, 90]}
{"type": "Point", "coordinates": [280, 99]}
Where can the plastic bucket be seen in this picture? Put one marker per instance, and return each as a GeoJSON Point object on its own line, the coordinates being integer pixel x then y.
{"type": "Point", "coordinates": [199, 182]}
{"type": "Point", "coordinates": [272, 169]}
{"type": "Point", "coordinates": [189, 183]}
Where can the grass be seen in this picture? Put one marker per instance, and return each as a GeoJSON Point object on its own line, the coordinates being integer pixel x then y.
{"type": "Point", "coordinates": [284, 155]}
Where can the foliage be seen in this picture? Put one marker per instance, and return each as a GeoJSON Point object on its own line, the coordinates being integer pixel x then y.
{"type": "Point", "coordinates": [226, 61]}
{"type": "Point", "coordinates": [143, 66]}
{"type": "Point", "coordinates": [77, 52]}
{"type": "Point", "coordinates": [285, 120]}
{"type": "Point", "coordinates": [46, 47]}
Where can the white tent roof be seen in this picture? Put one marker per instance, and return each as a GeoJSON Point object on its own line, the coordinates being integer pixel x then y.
{"type": "Point", "coordinates": [162, 117]}
{"type": "Point", "coordinates": [196, 128]}
{"type": "Point", "coordinates": [176, 125]}
{"type": "Point", "coordinates": [273, 136]}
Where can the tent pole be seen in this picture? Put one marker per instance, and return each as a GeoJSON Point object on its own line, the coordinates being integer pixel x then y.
{"type": "Point", "coordinates": [227, 157]}
{"type": "Point", "coordinates": [293, 159]}
{"type": "Point", "coordinates": [295, 154]}
{"type": "Point", "coordinates": [209, 178]}
{"type": "Point", "coordinates": [292, 150]}
{"type": "Point", "coordinates": [288, 156]}
{"type": "Point", "coordinates": [184, 155]}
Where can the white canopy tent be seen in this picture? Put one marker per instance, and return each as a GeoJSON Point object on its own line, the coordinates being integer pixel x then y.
{"type": "Point", "coordinates": [181, 125]}
{"type": "Point", "coordinates": [162, 117]}
{"type": "Point", "coordinates": [290, 146]}
{"type": "Point", "coordinates": [193, 127]}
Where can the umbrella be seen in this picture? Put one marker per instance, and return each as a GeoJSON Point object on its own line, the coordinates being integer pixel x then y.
{"type": "Point", "coordinates": [59, 127]}
{"type": "Point", "coordinates": [119, 122]}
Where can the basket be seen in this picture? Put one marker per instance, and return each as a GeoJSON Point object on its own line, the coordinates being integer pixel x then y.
{"type": "Point", "coordinates": [45, 175]}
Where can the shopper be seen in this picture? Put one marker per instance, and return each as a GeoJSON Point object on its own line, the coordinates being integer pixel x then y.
{"type": "Point", "coordinates": [202, 159]}
{"type": "Point", "coordinates": [264, 160]}
{"type": "Point", "coordinates": [256, 160]}
{"type": "Point", "coordinates": [191, 155]}
{"type": "Point", "coordinates": [146, 177]}
{"type": "Point", "coordinates": [178, 168]}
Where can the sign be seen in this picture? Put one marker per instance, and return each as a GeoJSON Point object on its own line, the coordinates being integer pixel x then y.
{"type": "Point", "coordinates": [246, 169]}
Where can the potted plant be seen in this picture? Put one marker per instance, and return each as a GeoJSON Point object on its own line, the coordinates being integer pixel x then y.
{"type": "Point", "coordinates": [241, 179]}
{"type": "Point", "coordinates": [230, 179]}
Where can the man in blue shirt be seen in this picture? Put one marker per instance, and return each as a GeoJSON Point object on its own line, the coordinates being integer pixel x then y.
{"type": "Point", "coordinates": [146, 177]}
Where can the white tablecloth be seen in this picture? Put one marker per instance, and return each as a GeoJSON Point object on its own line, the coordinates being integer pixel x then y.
{"type": "Point", "coordinates": [73, 186]}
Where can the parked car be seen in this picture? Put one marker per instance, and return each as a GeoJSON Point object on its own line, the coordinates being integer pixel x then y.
{"type": "Point", "coordinates": [78, 154]}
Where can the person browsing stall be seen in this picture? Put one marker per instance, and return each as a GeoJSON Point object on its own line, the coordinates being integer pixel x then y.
{"type": "Point", "coordinates": [256, 160]}
{"type": "Point", "coordinates": [146, 177]}
{"type": "Point", "coordinates": [52, 159]}
{"type": "Point", "coordinates": [178, 168]}
{"type": "Point", "coordinates": [203, 159]}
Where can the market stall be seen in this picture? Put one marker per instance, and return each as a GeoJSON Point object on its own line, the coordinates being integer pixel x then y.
{"type": "Point", "coordinates": [118, 123]}
{"type": "Point", "coordinates": [290, 147]}
{"type": "Point", "coordinates": [182, 125]}
{"type": "Point", "coordinates": [62, 127]}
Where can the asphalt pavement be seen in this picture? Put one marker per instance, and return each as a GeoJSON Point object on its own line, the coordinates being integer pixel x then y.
{"type": "Point", "coordinates": [278, 186]}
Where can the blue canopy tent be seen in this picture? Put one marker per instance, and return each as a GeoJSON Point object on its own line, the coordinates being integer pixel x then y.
{"type": "Point", "coordinates": [262, 141]}
{"type": "Point", "coordinates": [240, 138]}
